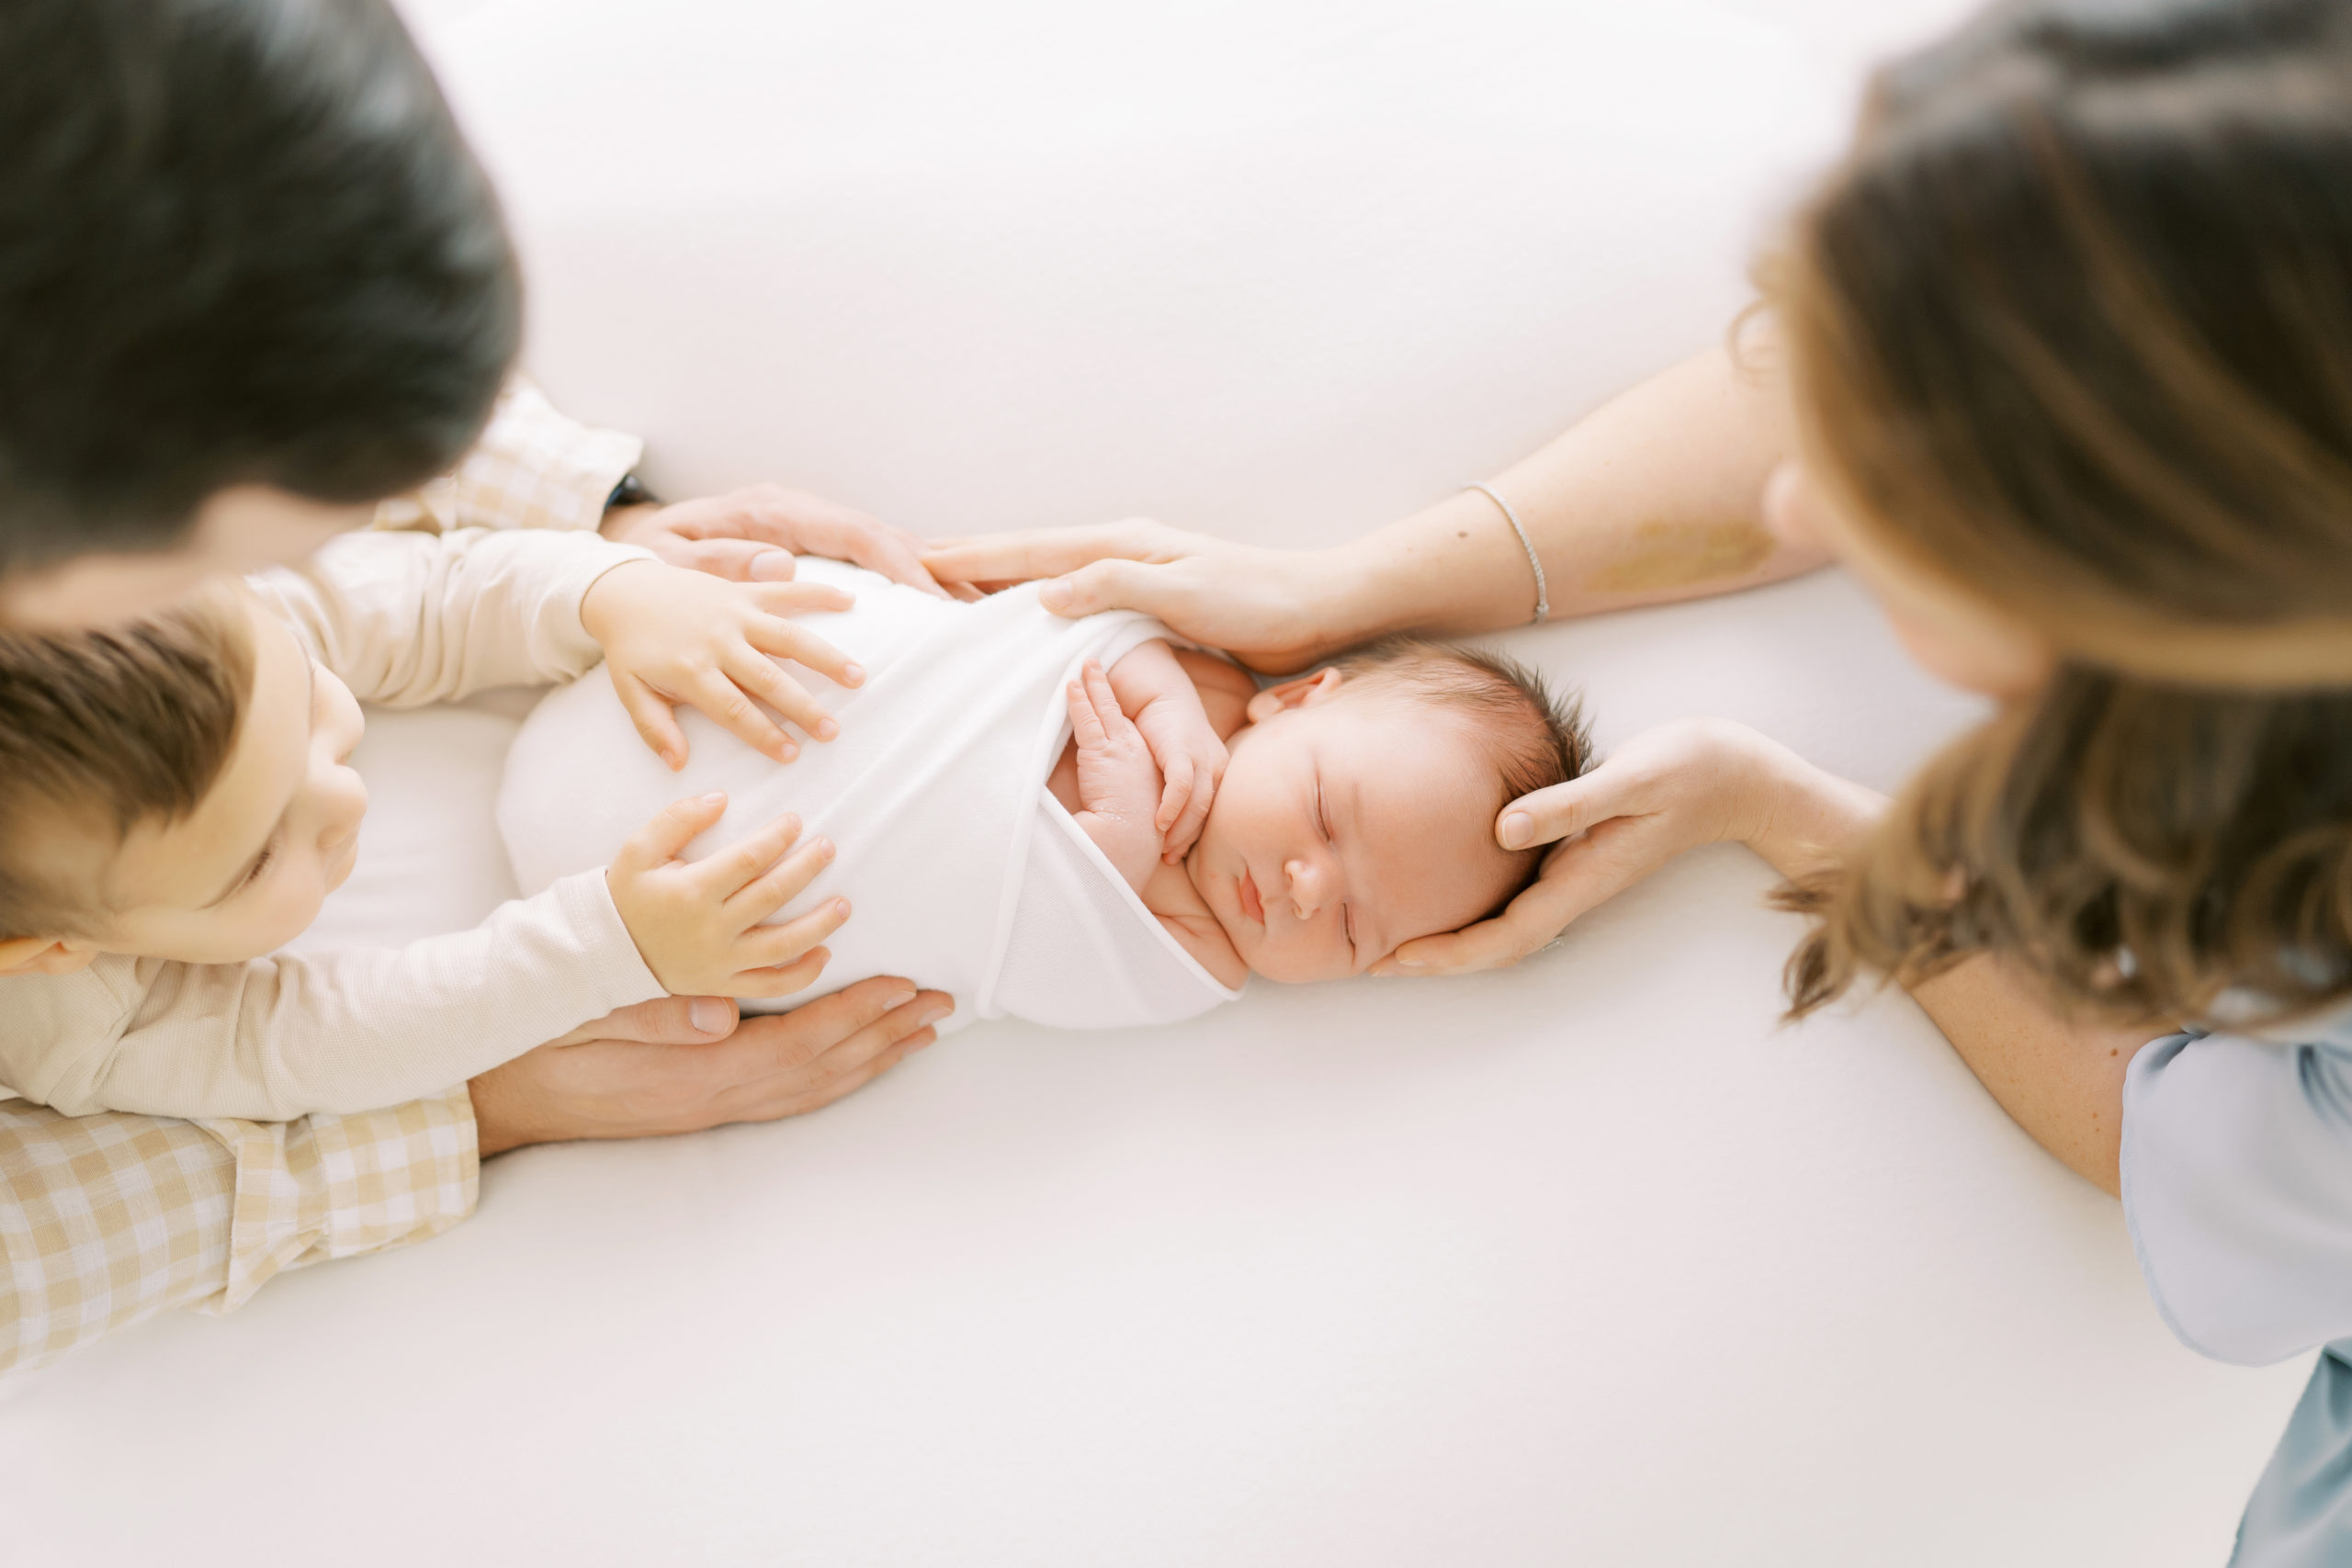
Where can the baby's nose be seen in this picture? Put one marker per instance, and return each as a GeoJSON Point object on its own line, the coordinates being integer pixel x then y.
{"type": "Point", "coordinates": [1306, 887]}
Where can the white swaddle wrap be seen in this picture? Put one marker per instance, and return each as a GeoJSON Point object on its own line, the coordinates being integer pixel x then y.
{"type": "Point", "coordinates": [963, 872]}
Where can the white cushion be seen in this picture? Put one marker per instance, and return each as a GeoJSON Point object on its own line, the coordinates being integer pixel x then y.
{"type": "Point", "coordinates": [1585, 1262]}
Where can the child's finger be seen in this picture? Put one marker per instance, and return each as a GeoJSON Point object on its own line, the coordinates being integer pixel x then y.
{"type": "Point", "coordinates": [788, 640]}
{"type": "Point", "coordinates": [784, 598]}
{"type": "Point", "coordinates": [767, 946]}
{"type": "Point", "coordinates": [764, 679]}
{"type": "Point", "coordinates": [674, 826]}
{"type": "Point", "coordinates": [783, 979]}
{"type": "Point", "coordinates": [656, 725]}
{"type": "Point", "coordinates": [780, 883]}
{"type": "Point", "coordinates": [724, 872]}
{"type": "Point", "coordinates": [716, 696]}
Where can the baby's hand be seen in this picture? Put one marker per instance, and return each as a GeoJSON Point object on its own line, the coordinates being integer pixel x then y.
{"type": "Point", "coordinates": [1192, 761]}
{"type": "Point", "coordinates": [672, 635]}
{"type": "Point", "coordinates": [1117, 784]}
{"type": "Point", "coordinates": [696, 923]}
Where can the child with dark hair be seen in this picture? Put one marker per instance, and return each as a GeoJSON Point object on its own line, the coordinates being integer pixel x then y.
{"type": "Point", "coordinates": [176, 803]}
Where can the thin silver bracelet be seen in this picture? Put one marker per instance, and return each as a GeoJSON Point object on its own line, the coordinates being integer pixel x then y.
{"type": "Point", "coordinates": [1542, 594]}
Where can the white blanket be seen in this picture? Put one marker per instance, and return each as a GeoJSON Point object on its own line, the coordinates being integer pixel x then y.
{"type": "Point", "coordinates": [963, 870]}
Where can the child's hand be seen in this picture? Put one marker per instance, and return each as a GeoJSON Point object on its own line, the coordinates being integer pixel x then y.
{"type": "Point", "coordinates": [1192, 761]}
{"type": "Point", "coordinates": [696, 923]}
{"type": "Point", "coordinates": [672, 635]}
{"type": "Point", "coordinates": [1118, 787]}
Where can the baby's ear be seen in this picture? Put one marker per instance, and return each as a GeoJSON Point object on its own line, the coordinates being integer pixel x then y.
{"type": "Point", "coordinates": [43, 955]}
{"type": "Point", "coordinates": [1304, 691]}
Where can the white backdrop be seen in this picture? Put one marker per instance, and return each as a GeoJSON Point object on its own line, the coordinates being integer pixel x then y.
{"type": "Point", "coordinates": [1585, 1262]}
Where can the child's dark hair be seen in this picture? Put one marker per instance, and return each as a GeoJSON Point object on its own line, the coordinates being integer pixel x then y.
{"type": "Point", "coordinates": [241, 242]}
{"type": "Point", "coordinates": [105, 731]}
{"type": "Point", "coordinates": [1536, 737]}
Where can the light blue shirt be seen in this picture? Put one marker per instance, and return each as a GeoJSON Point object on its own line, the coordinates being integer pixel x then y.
{"type": "Point", "coordinates": [2237, 1187]}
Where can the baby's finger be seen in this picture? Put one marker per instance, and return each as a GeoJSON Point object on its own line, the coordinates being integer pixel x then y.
{"type": "Point", "coordinates": [724, 873]}
{"type": "Point", "coordinates": [761, 676]}
{"type": "Point", "coordinates": [1085, 723]}
{"type": "Point", "coordinates": [780, 883]}
{"type": "Point", "coordinates": [1181, 838]}
{"type": "Point", "coordinates": [714, 692]}
{"type": "Point", "coordinates": [781, 981]}
{"type": "Point", "coordinates": [1175, 794]}
{"type": "Point", "coordinates": [1116, 725]}
{"type": "Point", "coordinates": [767, 946]}
{"type": "Point", "coordinates": [656, 725]}
{"type": "Point", "coordinates": [787, 639]}
{"type": "Point", "coordinates": [674, 826]}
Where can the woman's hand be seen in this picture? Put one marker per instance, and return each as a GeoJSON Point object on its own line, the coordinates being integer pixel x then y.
{"type": "Point", "coordinates": [1697, 780]}
{"type": "Point", "coordinates": [1266, 607]}
{"type": "Point", "coordinates": [672, 637]}
{"type": "Point", "coordinates": [750, 536]}
{"type": "Point", "coordinates": [683, 1064]}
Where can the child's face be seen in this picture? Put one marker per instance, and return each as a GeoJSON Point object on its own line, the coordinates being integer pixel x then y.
{"type": "Point", "coordinates": [246, 871]}
{"type": "Point", "coordinates": [1347, 828]}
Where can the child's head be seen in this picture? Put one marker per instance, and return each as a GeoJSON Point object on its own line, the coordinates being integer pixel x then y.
{"type": "Point", "coordinates": [174, 789]}
{"type": "Point", "coordinates": [1358, 810]}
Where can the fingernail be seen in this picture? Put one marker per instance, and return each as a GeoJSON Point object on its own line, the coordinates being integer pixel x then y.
{"type": "Point", "coordinates": [1407, 963]}
{"type": "Point", "coordinates": [1518, 831]}
{"type": "Point", "coordinates": [1054, 596]}
{"type": "Point", "coordinates": [713, 797]}
{"type": "Point", "coordinates": [896, 1000]}
{"type": "Point", "coordinates": [826, 729]}
{"type": "Point", "coordinates": [840, 908]}
{"type": "Point", "coordinates": [934, 1016]}
{"type": "Point", "coordinates": [852, 674]}
{"type": "Point", "coordinates": [786, 751]}
{"type": "Point", "coordinates": [707, 1014]}
{"type": "Point", "coordinates": [771, 565]}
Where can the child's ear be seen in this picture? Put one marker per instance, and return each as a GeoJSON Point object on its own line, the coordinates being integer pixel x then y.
{"type": "Point", "coordinates": [43, 955]}
{"type": "Point", "coordinates": [1304, 691]}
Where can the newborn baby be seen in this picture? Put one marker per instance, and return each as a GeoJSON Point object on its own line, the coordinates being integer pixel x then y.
{"type": "Point", "coordinates": [1075, 823]}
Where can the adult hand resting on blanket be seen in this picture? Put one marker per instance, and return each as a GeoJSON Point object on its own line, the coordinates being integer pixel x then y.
{"type": "Point", "coordinates": [684, 1064]}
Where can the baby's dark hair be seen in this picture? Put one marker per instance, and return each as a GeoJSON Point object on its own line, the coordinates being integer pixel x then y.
{"type": "Point", "coordinates": [107, 729]}
{"type": "Point", "coordinates": [1535, 737]}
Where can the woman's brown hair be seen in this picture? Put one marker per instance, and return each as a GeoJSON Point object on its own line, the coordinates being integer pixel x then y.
{"type": "Point", "coordinates": [2071, 329]}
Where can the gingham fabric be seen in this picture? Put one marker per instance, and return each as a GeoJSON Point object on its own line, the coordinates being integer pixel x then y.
{"type": "Point", "coordinates": [106, 1219]}
{"type": "Point", "coordinates": [533, 468]}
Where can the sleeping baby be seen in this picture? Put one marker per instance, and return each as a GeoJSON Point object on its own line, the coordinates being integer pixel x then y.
{"type": "Point", "coordinates": [1079, 824]}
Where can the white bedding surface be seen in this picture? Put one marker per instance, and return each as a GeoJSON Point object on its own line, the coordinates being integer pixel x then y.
{"type": "Point", "coordinates": [1589, 1261]}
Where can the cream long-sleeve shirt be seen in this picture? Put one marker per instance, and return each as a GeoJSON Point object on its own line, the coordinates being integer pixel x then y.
{"type": "Point", "coordinates": [404, 620]}
{"type": "Point", "coordinates": [107, 1220]}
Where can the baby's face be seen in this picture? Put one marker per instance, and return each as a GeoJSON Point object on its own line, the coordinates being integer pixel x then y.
{"type": "Point", "coordinates": [1350, 823]}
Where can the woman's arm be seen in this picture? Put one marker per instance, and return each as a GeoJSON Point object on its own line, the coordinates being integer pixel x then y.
{"type": "Point", "coordinates": [1657, 495]}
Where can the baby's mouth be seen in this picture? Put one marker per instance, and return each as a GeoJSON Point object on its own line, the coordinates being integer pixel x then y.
{"type": "Point", "coordinates": [1247, 889]}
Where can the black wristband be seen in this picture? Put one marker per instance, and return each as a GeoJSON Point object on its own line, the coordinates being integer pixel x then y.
{"type": "Point", "coordinates": [631, 491]}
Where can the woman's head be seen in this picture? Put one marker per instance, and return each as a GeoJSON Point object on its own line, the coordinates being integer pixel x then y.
{"type": "Point", "coordinates": [2070, 337]}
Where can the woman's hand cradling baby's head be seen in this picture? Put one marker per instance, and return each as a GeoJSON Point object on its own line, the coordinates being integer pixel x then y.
{"type": "Point", "coordinates": [672, 635]}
